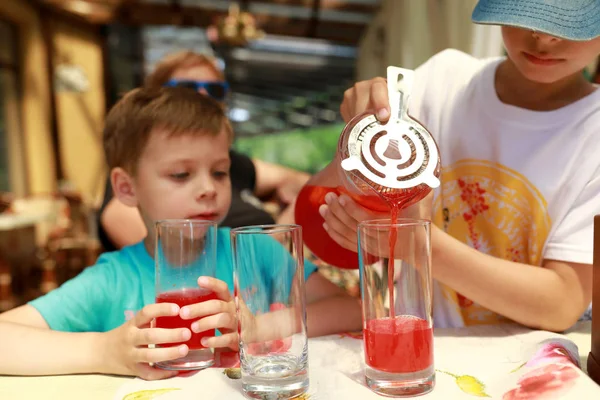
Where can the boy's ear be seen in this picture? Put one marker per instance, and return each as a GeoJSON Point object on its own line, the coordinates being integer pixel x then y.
{"type": "Point", "coordinates": [123, 187]}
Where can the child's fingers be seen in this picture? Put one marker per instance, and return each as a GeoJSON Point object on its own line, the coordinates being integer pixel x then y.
{"type": "Point", "coordinates": [334, 223]}
{"type": "Point", "coordinates": [215, 285]}
{"type": "Point", "coordinates": [372, 247]}
{"type": "Point", "coordinates": [149, 373]}
{"type": "Point", "coordinates": [161, 336]}
{"type": "Point", "coordinates": [349, 107]}
{"type": "Point", "coordinates": [158, 354]}
{"type": "Point", "coordinates": [371, 94]}
{"type": "Point", "coordinates": [218, 321]}
{"type": "Point", "coordinates": [358, 213]}
{"type": "Point", "coordinates": [334, 207]}
{"type": "Point", "coordinates": [210, 307]}
{"type": "Point", "coordinates": [340, 239]}
{"type": "Point", "coordinates": [151, 311]}
{"type": "Point", "coordinates": [230, 340]}
{"type": "Point", "coordinates": [378, 96]}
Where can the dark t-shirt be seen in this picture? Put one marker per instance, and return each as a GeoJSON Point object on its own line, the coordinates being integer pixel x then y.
{"type": "Point", "coordinates": [245, 207]}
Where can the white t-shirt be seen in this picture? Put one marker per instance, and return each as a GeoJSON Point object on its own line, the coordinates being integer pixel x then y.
{"type": "Point", "coordinates": [516, 184]}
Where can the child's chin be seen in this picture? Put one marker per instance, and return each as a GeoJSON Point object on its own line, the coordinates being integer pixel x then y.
{"type": "Point", "coordinates": [543, 74]}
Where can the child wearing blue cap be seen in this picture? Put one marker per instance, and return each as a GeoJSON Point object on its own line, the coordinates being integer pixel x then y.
{"type": "Point", "coordinates": [519, 139]}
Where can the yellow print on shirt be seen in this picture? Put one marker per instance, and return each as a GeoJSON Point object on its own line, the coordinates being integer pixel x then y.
{"type": "Point", "coordinates": [495, 210]}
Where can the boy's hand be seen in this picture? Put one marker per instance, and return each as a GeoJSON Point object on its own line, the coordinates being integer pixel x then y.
{"type": "Point", "coordinates": [127, 345]}
{"type": "Point", "coordinates": [214, 314]}
{"type": "Point", "coordinates": [342, 216]}
{"type": "Point", "coordinates": [366, 95]}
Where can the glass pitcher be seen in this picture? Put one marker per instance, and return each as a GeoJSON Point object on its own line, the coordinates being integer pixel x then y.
{"type": "Point", "coordinates": [380, 166]}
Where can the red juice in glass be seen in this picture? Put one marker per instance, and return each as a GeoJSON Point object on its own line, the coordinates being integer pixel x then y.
{"type": "Point", "coordinates": [184, 297]}
{"type": "Point", "coordinates": [400, 345]}
{"type": "Point", "coordinates": [398, 334]}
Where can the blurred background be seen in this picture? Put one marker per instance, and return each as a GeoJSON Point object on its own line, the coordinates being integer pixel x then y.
{"type": "Point", "coordinates": [64, 63]}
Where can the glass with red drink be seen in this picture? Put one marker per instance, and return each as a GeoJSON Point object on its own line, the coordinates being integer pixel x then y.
{"type": "Point", "coordinates": [396, 287]}
{"type": "Point", "coordinates": [184, 251]}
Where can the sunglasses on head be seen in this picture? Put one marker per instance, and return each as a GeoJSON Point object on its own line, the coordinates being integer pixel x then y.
{"type": "Point", "coordinates": [216, 90]}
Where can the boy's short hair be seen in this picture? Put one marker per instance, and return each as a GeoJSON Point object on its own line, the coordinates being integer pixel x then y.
{"type": "Point", "coordinates": [184, 59]}
{"type": "Point", "coordinates": [179, 111]}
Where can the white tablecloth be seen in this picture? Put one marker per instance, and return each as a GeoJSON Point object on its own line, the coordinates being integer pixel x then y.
{"type": "Point", "coordinates": [488, 354]}
{"type": "Point", "coordinates": [486, 361]}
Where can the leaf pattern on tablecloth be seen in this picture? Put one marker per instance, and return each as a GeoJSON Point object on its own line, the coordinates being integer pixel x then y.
{"type": "Point", "coordinates": [468, 384]}
{"type": "Point", "coordinates": [148, 394]}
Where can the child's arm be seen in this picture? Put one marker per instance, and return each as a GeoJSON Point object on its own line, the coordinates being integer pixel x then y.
{"type": "Point", "coordinates": [29, 347]}
{"type": "Point", "coordinates": [551, 297]}
{"type": "Point", "coordinates": [329, 308]}
{"type": "Point", "coordinates": [28, 350]}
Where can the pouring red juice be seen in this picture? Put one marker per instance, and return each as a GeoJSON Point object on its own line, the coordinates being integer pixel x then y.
{"type": "Point", "coordinates": [399, 343]}
{"type": "Point", "coordinates": [384, 167]}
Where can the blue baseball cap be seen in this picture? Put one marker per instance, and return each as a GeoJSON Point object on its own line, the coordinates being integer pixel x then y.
{"type": "Point", "coordinates": [567, 19]}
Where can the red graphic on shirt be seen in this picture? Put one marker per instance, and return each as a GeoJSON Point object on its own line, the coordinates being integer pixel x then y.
{"type": "Point", "coordinates": [513, 254]}
{"type": "Point", "coordinates": [473, 195]}
{"type": "Point", "coordinates": [463, 302]}
{"type": "Point", "coordinates": [495, 210]}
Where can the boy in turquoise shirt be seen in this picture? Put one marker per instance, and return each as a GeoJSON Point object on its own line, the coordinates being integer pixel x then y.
{"type": "Point", "coordinates": [168, 152]}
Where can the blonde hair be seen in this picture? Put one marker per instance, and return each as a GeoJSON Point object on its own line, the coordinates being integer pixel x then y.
{"type": "Point", "coordinates": [179, 111]}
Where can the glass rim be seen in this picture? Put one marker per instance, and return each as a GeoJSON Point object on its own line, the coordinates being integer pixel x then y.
{"type": "Point", "coordinates": [183, 222]}
{"type": "Point", "coordinates": [266, 229]}
{"type": "Point", "coordinates": [400, 223]}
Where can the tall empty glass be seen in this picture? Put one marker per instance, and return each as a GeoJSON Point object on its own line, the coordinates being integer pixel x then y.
{"type": "Point", "coordinates": [271, 308]}
{"type": "Point", "coordinates": [396, 286]}
{"type": "Point", "coordinates": [184, 251]}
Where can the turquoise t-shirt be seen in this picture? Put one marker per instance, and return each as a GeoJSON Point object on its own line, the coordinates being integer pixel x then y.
{"type": "Point", "coordinates": [121, 283]}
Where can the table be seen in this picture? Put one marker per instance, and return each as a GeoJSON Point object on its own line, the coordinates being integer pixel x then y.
{"type": "Point", "coordinates": [92, 387]}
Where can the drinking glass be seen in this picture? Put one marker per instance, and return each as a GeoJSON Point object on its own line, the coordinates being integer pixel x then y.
{"type": "Point", "coordinates": [271, 309]}
{"type": "Point", "coordinates": [396, 287]}
{"type": "Point", "coordinates": [184, 251]}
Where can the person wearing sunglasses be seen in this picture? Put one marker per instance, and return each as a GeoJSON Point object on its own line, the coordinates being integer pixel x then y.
{"type": "Point", "coordinates": [251, 179]}
{"type": "Point", "coordinates": [216, 90]}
